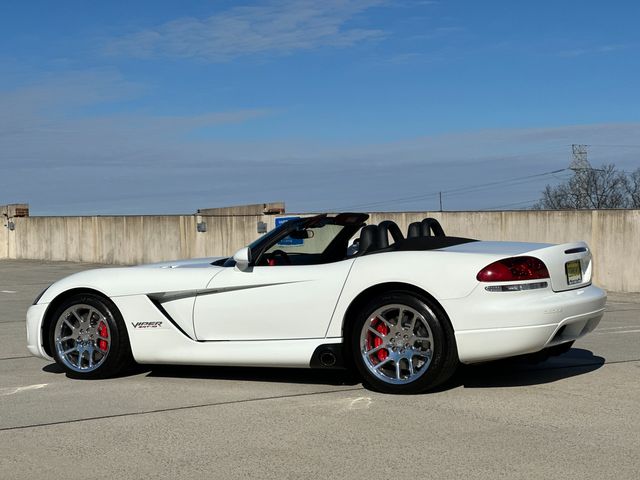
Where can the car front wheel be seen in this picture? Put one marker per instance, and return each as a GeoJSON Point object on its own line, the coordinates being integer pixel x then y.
{"type": "Point", "coordinates": [88, 338]}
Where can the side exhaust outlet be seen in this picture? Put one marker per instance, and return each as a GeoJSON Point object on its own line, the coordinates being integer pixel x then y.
{"type": "Point", "coordinates": [328, 359]}
{"type": "Point", "coordinates": [328, 355]}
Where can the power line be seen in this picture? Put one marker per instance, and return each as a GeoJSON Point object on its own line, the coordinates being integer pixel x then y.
{"type": "Point", "coordinates": [499, 182]}
{"type": "Point", "coordinates": [615, 146]}
{"type": "Point", "coordinates": [455, 191]}
{"type": "Point", "coordinates": [505, 183]}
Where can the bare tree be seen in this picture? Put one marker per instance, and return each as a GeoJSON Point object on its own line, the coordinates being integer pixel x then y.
{"type": "Point", "coordinates": [589, 188]}
{"type": "Point", "coordinates": [633, 189]}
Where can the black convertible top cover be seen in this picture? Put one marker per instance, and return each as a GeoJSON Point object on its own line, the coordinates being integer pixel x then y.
{"type": "Point", "coordinates": [429, 243]}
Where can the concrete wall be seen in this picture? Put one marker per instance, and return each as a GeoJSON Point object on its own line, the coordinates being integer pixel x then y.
{"type": "Point", "coordinates": [4, 239]}
{"type": "Point", "coordinates": [614, 236]}
{"type": "Point", "coordinates": [128, 239]}
{"type": "Point", "coordinates": [252, 209]}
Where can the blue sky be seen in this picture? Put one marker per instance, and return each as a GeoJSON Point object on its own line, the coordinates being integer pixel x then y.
{"type": "Point", "coordinates": [167, 107]}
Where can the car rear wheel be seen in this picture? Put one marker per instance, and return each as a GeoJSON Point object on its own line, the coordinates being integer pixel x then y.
{"type": "Point", "coordinates": [88, 337]}
{"type": "Point", "coordinates": [402, 343]}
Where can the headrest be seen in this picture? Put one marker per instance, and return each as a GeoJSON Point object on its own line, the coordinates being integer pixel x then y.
{"type": "Point", "coordinates": [368, 239]}
{"type": "Point", "coordinates": [414, 230]}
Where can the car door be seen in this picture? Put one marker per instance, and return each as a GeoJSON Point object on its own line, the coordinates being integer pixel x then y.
{"type": "Point", "coordinates": [270, 302]}
{"type": "Point", "coordinates": [289, 291]}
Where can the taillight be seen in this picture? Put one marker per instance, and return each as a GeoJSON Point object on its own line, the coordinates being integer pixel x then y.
{"type": "Point", "coordinates": [513, 269]}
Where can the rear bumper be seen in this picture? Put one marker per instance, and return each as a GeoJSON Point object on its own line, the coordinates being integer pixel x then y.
{"type": "Point", "coordinates": [524, 323]}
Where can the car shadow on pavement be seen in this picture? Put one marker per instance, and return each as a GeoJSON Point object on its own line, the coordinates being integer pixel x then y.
{"type": "Point", "coordinates": [333, 377]}
{"type": "Point", "coordinates": [511, 372]}
{"type": "Point", "coordinates": [261, 374]}
{"type": "Point", "coordinates": [527, 370]}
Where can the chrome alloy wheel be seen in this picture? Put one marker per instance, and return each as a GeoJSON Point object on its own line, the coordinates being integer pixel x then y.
{"type": "Point", "coordinates": [397, 344]}
{"type": "Point", "coordinates": [82, 338]}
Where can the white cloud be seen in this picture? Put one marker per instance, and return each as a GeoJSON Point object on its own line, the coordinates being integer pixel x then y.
{"type": "Point", "coordinates": [279, 27]}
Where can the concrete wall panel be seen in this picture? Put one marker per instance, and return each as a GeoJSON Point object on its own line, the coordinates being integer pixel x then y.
{"type": "Point", "coordinates": [614, 236]}
{"type": "Point", "coordinates": [4, 242]}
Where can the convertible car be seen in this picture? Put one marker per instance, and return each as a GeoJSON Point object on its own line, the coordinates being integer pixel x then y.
{"type": "Point", "coordinates": [327, 292]}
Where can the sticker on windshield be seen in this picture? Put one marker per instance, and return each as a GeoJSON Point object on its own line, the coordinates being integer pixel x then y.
{"type": "Point", "coordinates": [288, 241]}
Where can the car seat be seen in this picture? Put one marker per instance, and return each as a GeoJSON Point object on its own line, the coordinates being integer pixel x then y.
{"type": "Point", "coordinates": [368, 241]}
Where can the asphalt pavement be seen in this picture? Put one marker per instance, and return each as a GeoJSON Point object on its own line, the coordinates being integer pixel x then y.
{"type": "Point", "coordinates": [574, 416]}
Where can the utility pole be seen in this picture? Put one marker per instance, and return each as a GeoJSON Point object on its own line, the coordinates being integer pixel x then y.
{"type": "Point", "coordinates": [440, 200]}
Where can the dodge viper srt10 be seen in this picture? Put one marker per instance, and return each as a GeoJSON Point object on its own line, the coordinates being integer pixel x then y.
{"type": "Point", "coordinates": [327, 291]}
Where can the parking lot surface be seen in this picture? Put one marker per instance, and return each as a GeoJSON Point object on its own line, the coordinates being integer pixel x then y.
{"type": "Point", "coordinates": [574, 416]}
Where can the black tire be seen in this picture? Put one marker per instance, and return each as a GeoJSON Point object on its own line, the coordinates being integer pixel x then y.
{"type": "Point", "coordinates": [118, 357]}
{"type": "Point", "coordinates": [444, 355]}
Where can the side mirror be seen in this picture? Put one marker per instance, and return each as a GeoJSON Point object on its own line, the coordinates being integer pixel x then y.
{"type": "Point", "coordinates": [243, 258]}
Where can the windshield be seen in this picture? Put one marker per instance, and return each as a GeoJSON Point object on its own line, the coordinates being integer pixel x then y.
{"type": "Point", "coordinates": [312, 240]}
{"type": "Point", "coordinates": [305, 241]}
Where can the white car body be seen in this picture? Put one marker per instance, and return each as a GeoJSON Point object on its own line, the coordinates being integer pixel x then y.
{"type": "Point", "coordinates": [193, 312]}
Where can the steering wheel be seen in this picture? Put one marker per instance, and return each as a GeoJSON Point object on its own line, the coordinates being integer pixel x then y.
{"type": "Point", "coordinates": [281, 253]}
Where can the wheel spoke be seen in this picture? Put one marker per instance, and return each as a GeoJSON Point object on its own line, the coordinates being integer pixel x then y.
{"type": "Point", "coordinates": [384, 320]}
{"type": "Point", "coordinates": [80, 355]}
{"type": "Point", "coordinates": [376, 332]}
{"type": "Point", "coordinates": [90, 357]}
{"type": "Point", "coordinates": [411, 371]}
{"type": "Point", "coordinates": [66, 352]}
{"type": "Point", "coordinates": [413, 323]}
{"type": "Point", "coordinates": [69, 324]}
{"type": "Point", "coordinates": [374, 350]}
{"type": "Point", "coordinates": [398, 369]}
{"type": "Point", "coordinates": [400, 315]}
{"type": "Point", "coordinates": [75, 314]}
{"type": "Point", "coordinates": [384, 362]}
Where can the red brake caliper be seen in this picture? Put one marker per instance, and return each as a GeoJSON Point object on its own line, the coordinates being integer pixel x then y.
{"type": "Point", "coordinates": [103, 332]}
{"type": "Point", "coordinates": [382, 354]}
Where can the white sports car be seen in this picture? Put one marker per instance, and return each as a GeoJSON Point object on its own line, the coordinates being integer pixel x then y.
{"type": "Point", "coordinates": [402, 311]}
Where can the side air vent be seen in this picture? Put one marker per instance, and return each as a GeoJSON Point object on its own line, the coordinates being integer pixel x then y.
{"type": "Point", "coordinates": [575, 250]}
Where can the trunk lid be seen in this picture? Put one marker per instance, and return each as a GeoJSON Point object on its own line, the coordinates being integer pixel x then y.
{"type": "Point", "coordinates": [570, 264]}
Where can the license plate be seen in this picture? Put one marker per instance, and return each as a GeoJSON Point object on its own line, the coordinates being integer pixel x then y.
{"type": "Point", "coordinates": [574, 272]}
